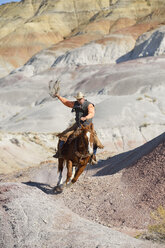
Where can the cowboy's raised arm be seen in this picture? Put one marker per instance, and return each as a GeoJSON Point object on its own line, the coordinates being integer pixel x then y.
{"type": "Point", "coordinates": [65, 101]}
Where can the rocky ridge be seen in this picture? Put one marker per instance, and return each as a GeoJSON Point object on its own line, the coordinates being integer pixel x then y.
{"type": "Point", "coordinates": [20, 151]}
{"type": "Point", "coordinates": [45, 23]}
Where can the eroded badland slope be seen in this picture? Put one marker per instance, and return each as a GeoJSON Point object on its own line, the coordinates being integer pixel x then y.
{"type": "Point", "coordinates": [29, 26]}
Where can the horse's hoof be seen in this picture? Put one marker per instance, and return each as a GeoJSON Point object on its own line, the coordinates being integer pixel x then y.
{"type": "Point", "coordinates": [58, 189]}
{"type": "Point", "coordinates": [69, 185]}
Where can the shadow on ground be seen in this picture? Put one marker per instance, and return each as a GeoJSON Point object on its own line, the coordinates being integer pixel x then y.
{"type": "Point", "coordinates": [126, 159]}
{"type": "Point", "coordinates": [46, 188]}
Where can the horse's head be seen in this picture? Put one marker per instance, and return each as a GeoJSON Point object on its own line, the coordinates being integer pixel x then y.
{"type": "Point", "coordinates": [88, 131]}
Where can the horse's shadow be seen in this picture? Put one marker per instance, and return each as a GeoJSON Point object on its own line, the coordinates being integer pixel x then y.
{"type": "Point", "coordinates": [46, 188]}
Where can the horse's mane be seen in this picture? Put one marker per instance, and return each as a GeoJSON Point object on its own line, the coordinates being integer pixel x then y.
{"type": "Point", "coordinates": [81, 131]}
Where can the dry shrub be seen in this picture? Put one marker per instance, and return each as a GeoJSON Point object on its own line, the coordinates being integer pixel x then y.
{"type": "Point", "coordinates": [158, 228]}
{"type": "Point", "coordinates": [156, 231]}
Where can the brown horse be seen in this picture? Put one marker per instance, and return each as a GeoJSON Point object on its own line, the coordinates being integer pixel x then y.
{"type": "Point", "coordinates": [76, 152]}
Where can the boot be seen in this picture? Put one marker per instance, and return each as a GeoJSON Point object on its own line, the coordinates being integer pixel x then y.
{"type": "Point", "coordinates": [94, 160]}
{"type": "Point", "coordinates": [58, 154]}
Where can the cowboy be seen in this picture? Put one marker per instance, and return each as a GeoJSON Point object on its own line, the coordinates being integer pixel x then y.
{"type": "Point", "coordinates": [84, 113]}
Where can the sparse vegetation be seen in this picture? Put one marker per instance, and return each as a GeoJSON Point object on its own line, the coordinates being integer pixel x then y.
{"type": "Point", "coordinates": [148, 2]}
{"type": "Point", "coordinates": [21, 119]}
{"type": "Point", "coordinates": [152, 99]}
{"type": "Point", "coordinates": [158, 228]}
{"type": "Point", "coordinates": [15, 141]}
{"type": "Point", "coordinates": [139, 98]}
{"type": "Point", "coordinates": [144, 125]}
{"type": "Point", "coordinates": [156, 231]}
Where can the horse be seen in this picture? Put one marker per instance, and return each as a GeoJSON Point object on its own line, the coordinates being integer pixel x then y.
{"type": "Point", "coordinates": [76, 152]}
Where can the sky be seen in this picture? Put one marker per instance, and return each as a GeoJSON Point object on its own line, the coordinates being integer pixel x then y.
{"type": "Point", "coordinates": [8, 1]}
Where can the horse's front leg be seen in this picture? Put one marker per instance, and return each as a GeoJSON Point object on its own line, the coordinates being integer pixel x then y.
{"type": "Point", "coordinates": [79, 171]}
{"type": "Point", "coordinates": [69, 171]}
{"type": "Point", "coordinates": [60, 170]}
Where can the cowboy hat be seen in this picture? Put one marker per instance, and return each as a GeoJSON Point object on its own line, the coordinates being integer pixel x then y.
{"type": "Point", "coordinates": [80, 95]}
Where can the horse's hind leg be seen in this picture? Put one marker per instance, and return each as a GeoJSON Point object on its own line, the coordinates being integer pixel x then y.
{"type": "Point", "coordinates": [78, 173]}
{"type": "Point", "coordinates": [60, 170]}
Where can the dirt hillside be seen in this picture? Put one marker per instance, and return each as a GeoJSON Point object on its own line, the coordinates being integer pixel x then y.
{"type": "Point", "coordinates": [118, 192]}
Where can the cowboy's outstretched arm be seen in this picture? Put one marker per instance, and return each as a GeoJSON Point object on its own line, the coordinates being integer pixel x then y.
{"type": "Point", "coordinates": [66, 102]}
{"type": "Point", "coordinates": [91, 113]}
